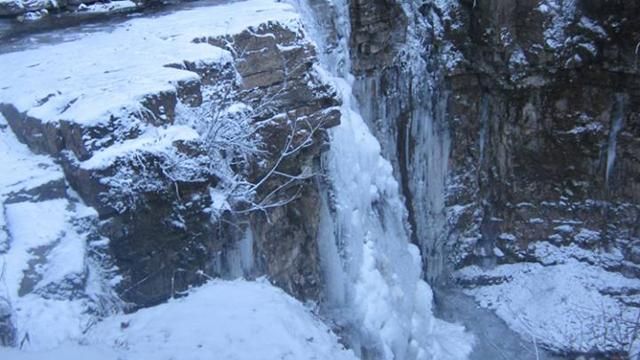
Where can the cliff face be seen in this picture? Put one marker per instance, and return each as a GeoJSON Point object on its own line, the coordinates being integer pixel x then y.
{"type": "Point", "coordinates": [545, 123]}
{"type": "Point", "coordinates": [544, 158]}
{"type": "Point", "coordinates": [533, 104]}
{"type": "Point", "coordinates": [213, 161]}
{"type": "Point", "coordinates": [514, 129]}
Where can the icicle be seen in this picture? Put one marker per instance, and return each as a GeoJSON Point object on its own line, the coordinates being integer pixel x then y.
{"type": "Point", "coordinates": [617, 117]}
{"type": "Point", "coordinates": [373, 288]}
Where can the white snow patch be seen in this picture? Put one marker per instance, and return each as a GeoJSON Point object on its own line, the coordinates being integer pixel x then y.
{"type": "Point", "coordinates": [587, 237]}
{"type": "Point", "coordinates": [562, 305]}
{"type": "Point", "coordinates": [549, 254]}
{"type": "Point", "coordinates": [21, 169]}
{"type": "Point", "coordinates": [112, 6]}
{"type": "Point", "coordinates": [220, 320]}
{"type": "Point", "coordinates": [153, 139]}
{"type": "Point", "coordinates": [561, 13]}
{"type": "Point", "coordinates": [592, 26]}
{"type": "Point", "coordinates": [50, 82]}
{"type": "Point", "coordinates": [517, 58]}
{"type": "Point", "coordinates": [592, 127]}
{"type": "Point", "coordinates": [565, 229]}
{"type": "Point", "coordinates": [507, 237]}
{"type": "Point", "coordinates": [40, 233]}
{"type": "Point", "coordinates": [68, 351]}
{"type": "Point", "coordinates": [31, 225]}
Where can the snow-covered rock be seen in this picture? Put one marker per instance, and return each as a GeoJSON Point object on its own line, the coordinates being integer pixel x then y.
{"type": "Point", "coordinates": [11, 7]}
{"type": "Point", "coordinates": [30, 10]}
{"type": "Point", "coordinates": [135, 135]}
{"type": "Point", "coordinates": [44, 260]}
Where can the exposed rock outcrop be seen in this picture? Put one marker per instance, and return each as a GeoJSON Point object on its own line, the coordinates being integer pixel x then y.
{"type": "Point", "coordinates": [544, 123]}
{"type": "Point", "coordinates": [7, 326]}
{"type": "Point", "coordinates": [157, 184]}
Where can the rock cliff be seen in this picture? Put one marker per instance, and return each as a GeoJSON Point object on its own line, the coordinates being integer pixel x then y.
{"type": "Point", "coordinates": [182, 175]}
{"type": "Point", "coordinates": [513, 127]}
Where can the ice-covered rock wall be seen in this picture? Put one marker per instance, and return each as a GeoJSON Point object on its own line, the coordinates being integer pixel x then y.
{"type": "Point", "coordinates": [398, 81]}
{"type": "Point", "coordinates": [544, 135]}
{"type": "Point", "coordinates": [512, 127]}
{"type": "Point", "coordinates": [372, 272]}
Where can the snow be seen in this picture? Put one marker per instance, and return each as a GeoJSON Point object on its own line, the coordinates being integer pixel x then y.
{"type": "Point", "coordinates": [566, 229]}
{"type": "Point", "coordinates": [113, 6]}
{"type": "Point", "coordinates": [20, 168]}
{"type": "Point", "coordinates": [561, 13]}
{"type": "Point", "coordinates": [592, 26]}
{"type": "Point", "coordinates": [452, 57]}
{"type": "Point", "coordinates": [548, 254]}
{"type": "Point", "coordinates": [66, 258]}
{"type": "Point", "coordinates": [592, 127]}
{"type": "Point", "coordinates": [153, 139]}
{"type": "Point", "coordinates": [35, 15]}
{"type": "Point", "coordinates": [49, 82]}
{"type": "Point", "coordinates": [46, 323]}
{"type": "Point", "coordinates": [65, 352]}
{"type": "Point", "coordinates": [507, 237]}
{"type": "Point", "coordinates": [587, 237]}
{"type": "Point", "coordinates": [31, 225]}
{"type": "Point", "coordinates": [45, 250]}
{"type": "Point", "coordinates": [563, 303]}
{"type": "Point", "coordinates": [221, 320]}
{"type": "Point", "coordinates": [517, 58]}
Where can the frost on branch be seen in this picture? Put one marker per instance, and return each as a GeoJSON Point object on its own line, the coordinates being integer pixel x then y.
{"type": "Point", "coordinates": [245, 140]}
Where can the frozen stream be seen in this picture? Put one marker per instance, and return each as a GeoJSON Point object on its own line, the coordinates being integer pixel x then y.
{"type": "Point", "coordinates": [494, 339]}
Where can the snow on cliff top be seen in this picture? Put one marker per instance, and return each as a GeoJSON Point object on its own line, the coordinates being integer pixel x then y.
{"type": "Point", "coordinates": [109, 72]}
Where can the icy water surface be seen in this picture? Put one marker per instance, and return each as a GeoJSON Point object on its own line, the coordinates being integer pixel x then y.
{"type": "Point", "coordinates": [494, 339]}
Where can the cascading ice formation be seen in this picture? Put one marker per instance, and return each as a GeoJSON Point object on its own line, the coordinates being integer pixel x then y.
{"type": "Point", "coordinates": [372, 272]}
{"type": "Point", "coordinates": [427, 163]}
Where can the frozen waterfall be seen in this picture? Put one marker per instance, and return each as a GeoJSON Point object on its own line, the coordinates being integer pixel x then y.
{"type": "Point", "coordinates": [374, 290]}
